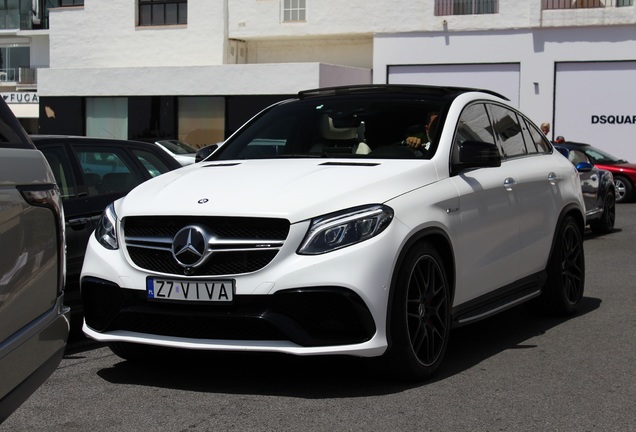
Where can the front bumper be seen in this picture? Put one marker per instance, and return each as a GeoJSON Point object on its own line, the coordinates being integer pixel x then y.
{"type": "Point", "coordinates": [334, 303]}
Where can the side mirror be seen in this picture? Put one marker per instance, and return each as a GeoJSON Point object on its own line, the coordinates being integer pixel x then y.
{"type": "Point", "coordinates": [584, 167]}
{"type": "Point", "coordinates": [476, 154]}
{"type": "Point", "coordinates": [205, 152]}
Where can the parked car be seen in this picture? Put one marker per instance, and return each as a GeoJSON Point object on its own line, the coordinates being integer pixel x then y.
{"type": "Point", "coordinates": [624, 172]}
{"type": "Point", "coordinates": [92, 173]}
{"type": "Point", "coordinates": [599, 192]}
{"type": "Point", "coordinates": [184, 153]}
{"type": "Point", "coordinates": [34, 323]}
{"type": "Point", "coordinates": [315, 229]}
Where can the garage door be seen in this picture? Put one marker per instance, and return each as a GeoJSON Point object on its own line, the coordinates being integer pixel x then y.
{"type": "Point", "coordinates": [501, 77]}
{"type": "Point", "coordinates": [594, 103]}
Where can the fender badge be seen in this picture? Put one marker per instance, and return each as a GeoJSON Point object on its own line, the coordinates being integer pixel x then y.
{"type": "Point", "coordinates": [203, 201]}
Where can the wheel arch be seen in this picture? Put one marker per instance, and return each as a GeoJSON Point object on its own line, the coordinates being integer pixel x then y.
{"type": "Point", "coordinates": [569, 210]}
{"type": "Point", "coordinates": [442, 243]}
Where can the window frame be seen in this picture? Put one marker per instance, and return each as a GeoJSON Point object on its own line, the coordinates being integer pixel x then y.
{"type": "Point", "coordinates": [146, 10]}
{"type": "Point", "coordinates": [294, 7]}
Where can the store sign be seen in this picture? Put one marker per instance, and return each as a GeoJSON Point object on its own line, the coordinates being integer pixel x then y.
{"type": "Point", "coordinates": [594, 104]}
{"type": "Point", "coordinates": [21, 97]}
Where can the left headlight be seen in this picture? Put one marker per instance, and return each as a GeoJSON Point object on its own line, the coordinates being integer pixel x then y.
{"type": "Point", "coordinates": [345, 228]}
{"type": "Point", "coordinates": [106, 232]}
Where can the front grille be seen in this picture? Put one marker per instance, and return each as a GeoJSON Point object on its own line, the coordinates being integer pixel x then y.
{"type": "Point", "coordinates": [235, 245]}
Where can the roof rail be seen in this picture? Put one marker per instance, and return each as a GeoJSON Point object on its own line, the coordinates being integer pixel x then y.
{"type": "Point", "coordinates": [393, 88]}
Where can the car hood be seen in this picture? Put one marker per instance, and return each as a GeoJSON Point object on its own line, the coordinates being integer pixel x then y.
{"type": "Point", "coordinates": [294, 189]}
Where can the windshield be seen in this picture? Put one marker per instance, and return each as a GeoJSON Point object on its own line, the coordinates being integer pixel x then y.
{"type": "Point", "coordinates": [177, 147]}
{"type": "Point", "coordinates": [337, 127]}
{"type": "Point", "coordinates": [601, 157]}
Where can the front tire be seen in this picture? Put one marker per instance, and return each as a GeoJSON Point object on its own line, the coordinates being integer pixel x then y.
{"type": "Point", "coordinates": [420, 315]}
{"type": "Point", "coordinates": [624, 189]}
{"type": "Point", "coordinates": [563, 291]}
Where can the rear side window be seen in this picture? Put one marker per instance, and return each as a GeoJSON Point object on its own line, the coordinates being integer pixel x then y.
{"type": "Point", "coordinates": [537, 142]}
{"type": "Point", "coordinates": [59, 162]}
{"type": "Point", "coordinates": [107, 170]}
{"type": "Point", "coordinates": [153, 163]}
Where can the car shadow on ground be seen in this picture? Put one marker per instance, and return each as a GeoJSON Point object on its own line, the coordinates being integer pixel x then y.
{"type": "Point", "coordinates": [329, 376]}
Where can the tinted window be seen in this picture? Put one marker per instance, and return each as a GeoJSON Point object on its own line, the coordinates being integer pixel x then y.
{"type": "Point", "coordinates": [508, 131]}
{"type": "Point", "coordinates": [107, 170]}
{"type": "Point", "coordinates": [474, 125]}
{"type": "Point", "coordinates": [537, 142]}
{"type": "Point", "coordinates": [153, 164]}
{"type": "Point", "coordinates": [59, 162]}
{"type": "Point", "coordinates": [337, 127]}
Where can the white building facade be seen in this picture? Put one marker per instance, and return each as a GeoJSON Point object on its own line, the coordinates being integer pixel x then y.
{"type": "Point", "coordinates": [197, 69]}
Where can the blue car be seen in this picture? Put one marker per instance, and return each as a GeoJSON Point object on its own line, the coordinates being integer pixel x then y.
{"type": "Point", "coordinates": [599, 190]}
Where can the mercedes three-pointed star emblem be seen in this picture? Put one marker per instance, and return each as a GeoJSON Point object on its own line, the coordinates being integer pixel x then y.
{"type": "Point", "coordinates": [189, 246]}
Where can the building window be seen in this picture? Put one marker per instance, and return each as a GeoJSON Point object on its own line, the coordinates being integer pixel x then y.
{"type": "Point", "coordinates": [163, 12]}
{"type": "Point", "coordinates": [294, 10]}
{"type": "Point", "coordinates": [72, 3]}
{"type": "Point", "coordinates": [466, 7]}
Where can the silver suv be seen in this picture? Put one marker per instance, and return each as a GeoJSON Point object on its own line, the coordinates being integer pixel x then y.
{"type": "Point", "coordinates": [34, 324]}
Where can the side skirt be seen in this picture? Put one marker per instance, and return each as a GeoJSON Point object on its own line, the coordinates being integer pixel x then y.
{"type": "Point", "coordinates": [499, 300]}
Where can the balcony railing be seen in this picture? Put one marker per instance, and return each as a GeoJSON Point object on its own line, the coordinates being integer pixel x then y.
{"type": "Point", "coordinates": [466, 7]}
{"type": "Point", "coordinates": [21, 76]}
{"type": "Point", "coordinates": [585, 4]}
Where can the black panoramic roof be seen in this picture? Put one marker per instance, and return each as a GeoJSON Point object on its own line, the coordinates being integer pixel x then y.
{"type": "Point", "coordinates": [369, 89]}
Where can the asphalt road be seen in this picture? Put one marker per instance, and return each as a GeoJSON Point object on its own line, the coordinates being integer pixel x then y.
{"type": "Point", "coordinates": [513, 372]}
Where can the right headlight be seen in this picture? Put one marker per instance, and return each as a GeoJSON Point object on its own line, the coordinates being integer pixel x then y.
{"type": "Point", "coordinates": [106, 232]}
{"type": "Point", "coordinates": [345, 228]}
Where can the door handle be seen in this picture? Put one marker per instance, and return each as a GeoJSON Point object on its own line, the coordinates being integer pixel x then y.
{"type": "Point", "coordinates": [509, 183]}
{"type": "Point", "coordinates": [78, 223]}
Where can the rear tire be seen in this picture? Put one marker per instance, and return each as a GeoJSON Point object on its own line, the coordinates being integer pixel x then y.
{"type": "Point", "coordinates": [563, 291]}
{"type": "Point", "coordinates": [420, 315]}
{"type": "Point", "coordinates": [606, 222]}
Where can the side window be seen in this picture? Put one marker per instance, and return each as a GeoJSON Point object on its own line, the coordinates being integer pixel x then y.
{"type": "Point", "coordinates": [537, 138]}
{"type": "Point", "coordinates": [473, 125]}
{"type": "Point", "coordinates": [153, 164]}
{"type": "Point", "coordinates": [107, 170]}
{"type": "Point", "coordinates": [59, 162]}
{"type": "Point", "coordinates": [576, 157]}
{"type": "Point", "coordinates": [508, 131]}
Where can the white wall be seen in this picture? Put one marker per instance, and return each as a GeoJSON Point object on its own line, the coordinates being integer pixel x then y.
{"type": "Point", "coordinates": [537, 51]}
{"type": "Point", "coordinates": [257, 19]}
{"type": "Point", "coordinates": [103, 34]}
{"type": "Point", "coordinates": [219, 80]}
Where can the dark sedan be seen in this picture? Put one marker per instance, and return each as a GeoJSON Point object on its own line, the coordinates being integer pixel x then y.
{"type": "Point", "coordinates": [624, 172]}
{"type": "Point", "coordinates": [91, 173]}
{"type": "Point", "coordinates": [599, 192]}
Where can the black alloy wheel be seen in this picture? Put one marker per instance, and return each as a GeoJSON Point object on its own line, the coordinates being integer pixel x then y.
{"type": "Point", "coordinates": [563, 291]}
{"type": "Point", "coordinates": [420, 315]}
{"type": "Point", "coordinates": [605, 224]}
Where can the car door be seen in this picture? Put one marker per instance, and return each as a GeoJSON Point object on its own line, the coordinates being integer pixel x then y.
{"type": "Point", "coordinates": [488, 250]}
{"type": "Point", "coordinates": [536, 185]}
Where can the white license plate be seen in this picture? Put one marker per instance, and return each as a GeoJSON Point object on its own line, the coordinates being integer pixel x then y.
{"type": "Point", "coordinates": [188, 290]}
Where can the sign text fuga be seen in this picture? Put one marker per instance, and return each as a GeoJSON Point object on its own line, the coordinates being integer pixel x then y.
{"type": "Point", "coordinates": [20, 97]}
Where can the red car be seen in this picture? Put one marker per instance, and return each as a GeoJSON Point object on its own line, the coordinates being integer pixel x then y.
{"type": "Point", "coordinates": [623, 171]}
